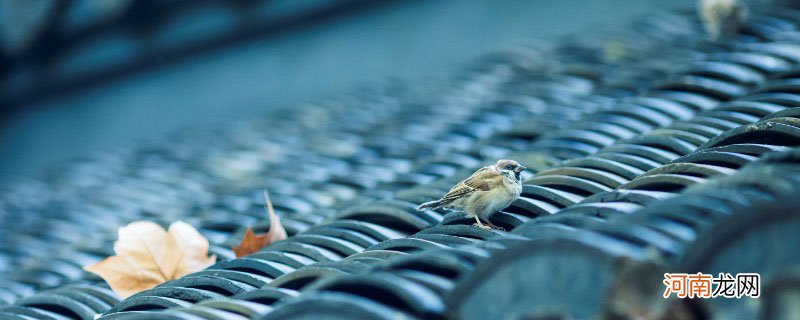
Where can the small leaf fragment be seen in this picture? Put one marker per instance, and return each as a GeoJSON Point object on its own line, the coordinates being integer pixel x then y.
{"type": "Point", "coordinates": [252, 242]}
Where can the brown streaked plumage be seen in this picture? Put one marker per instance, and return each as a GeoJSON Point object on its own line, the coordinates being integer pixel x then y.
{"type": "Point", "coordinates": [488, 190]}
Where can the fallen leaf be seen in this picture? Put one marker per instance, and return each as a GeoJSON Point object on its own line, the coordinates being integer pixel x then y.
{"type": "Point", "coordinates": [252, 242]}
{"type": "Point", "coordinates": [147, 255]}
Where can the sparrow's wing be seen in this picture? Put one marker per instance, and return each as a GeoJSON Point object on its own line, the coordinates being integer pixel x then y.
{"type": "Point", "coordinates": [481, 180]}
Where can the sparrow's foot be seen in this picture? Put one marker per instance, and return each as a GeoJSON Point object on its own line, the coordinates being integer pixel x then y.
{"type": "Point", "coordinates": [479, 224]}
{"type": "Point", "coordinates": [482, 226]}
{"type": "Point", "coordinates": [496, 227]}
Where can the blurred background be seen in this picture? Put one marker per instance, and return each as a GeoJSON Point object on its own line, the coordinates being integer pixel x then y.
{"type": "Point", "coordinates": [80, 76]}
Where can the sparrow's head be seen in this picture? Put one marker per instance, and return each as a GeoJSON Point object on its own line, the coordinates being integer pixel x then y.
{"type": "Point", "coordinates": [509, 167]}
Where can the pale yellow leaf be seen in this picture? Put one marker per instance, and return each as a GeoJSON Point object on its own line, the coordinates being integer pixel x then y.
{"type": "Point", "coordinates": [147, 255]}
{"type": "Point", "coordinates": [148, 249]}
{"type": "Point", "coordinates": [193, 247]}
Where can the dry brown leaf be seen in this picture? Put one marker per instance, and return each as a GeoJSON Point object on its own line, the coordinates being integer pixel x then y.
{"type": "Point", "coordinates": [252, 242]}
{"type": "Point", "coordinates": [147, 255]}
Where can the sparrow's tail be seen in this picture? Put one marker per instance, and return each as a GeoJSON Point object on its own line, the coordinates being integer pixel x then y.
{"type": "Point", "coordinates": [430, 205]}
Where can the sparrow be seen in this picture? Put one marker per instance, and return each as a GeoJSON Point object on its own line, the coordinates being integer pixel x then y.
{"type": "Point", "coordinates": [488, 190]}
{"type": "Point", "coordinates": [721, 18]}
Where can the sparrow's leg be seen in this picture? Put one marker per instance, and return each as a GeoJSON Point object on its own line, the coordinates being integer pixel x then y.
{"type": "Point", "coordinates": [481, 224]}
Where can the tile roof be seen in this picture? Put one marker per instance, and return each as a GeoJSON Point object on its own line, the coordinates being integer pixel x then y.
{"type": "Point", "coordinates": [677, 156]}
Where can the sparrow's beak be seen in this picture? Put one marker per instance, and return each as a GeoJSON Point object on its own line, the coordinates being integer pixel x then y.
{"type": "Point", "coordinates": [519, 169]}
